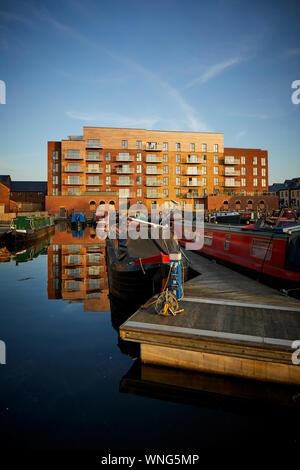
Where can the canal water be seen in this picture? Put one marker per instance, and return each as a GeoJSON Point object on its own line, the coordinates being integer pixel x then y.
{"type": "Point", "coordinates": [69, 382]}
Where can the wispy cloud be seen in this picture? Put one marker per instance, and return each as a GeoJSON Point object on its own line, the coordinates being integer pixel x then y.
{"type": "Point", "coordinates": [239, 135]}
{"type": "Point", "coordinates": [113, 119]}
{"type": "Point", "coordinates": [13, 17]}
{"type": "Point", "coordinates": [214, 70]}
{"type": "Point", "coordinates": [291, 52]}
{"type": "Point", "coordinates": [250, 115]}
{"type": "Point", "coordinates": [186, 111]}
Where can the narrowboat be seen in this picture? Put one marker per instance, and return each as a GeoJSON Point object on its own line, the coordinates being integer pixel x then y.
{"type": "Point", "coordinates": [268, 248]}
{"type": "Point", "coordinates": [25, 229]}
{"type": "Point", "coordinates": [139, 268]}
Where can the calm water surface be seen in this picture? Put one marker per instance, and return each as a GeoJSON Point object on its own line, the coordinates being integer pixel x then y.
{"type": "Point", "coordinates": [71, 384]}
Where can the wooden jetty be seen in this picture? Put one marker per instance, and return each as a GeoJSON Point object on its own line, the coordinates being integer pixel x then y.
{"type": "Point", "coordinates": [231, 325]}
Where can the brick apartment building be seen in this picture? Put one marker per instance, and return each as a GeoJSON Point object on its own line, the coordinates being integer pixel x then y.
{"type": "Point", "coordinates": [154, 168]}
{"type": "Point", "coordinates": [22, 195]}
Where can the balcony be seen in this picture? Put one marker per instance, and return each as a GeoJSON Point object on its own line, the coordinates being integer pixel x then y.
{"type": "Point", "coordinates": [196, 183]}
{"type": "Point", "coordinates": [232, 184]}
{"type": "Point", "coordinates": [94, 158]}
{"type": "Point", "coordinates": [192, 194]}
{"type": "Point", "coordinates": [152, 146]}
{"type": "Point", "coordinates": [124, 157]}
{"type": "Point", "coordinates": [95, 183]}
{"type": "Point", "coordinates": [73, 156]}
{"type": "Point", "coordinates": [128, 195]}
{"type": "Point", "coordinates": [73, 183]}
{"type": "Point", "coordinates": [232, 173]}
{"type": "Point", "coordinates": [128, 182]}
{"type": "Point", "coordinates": [94, 145]}
{"type": "Point", "coordinates": [95, 170]}
{"type": "Point", "coordinates": [154, 172]}
{"type": "Point", "coordinates": [193, 159]}
{"type": "Point", "coordinates": [231, 161]}
{"type": "Point", "coordinates": [68, 169]}
{"type": "Point", "coordinates": [153, 195]}
{"type": "Point", "coordinates": [154, 183]}
{"type": "Point", "coordinates": [124, 171]}
{"type": "Point", "coordinates": [153, 159]}
{"type": "Point", "coordinates": [188, 172]}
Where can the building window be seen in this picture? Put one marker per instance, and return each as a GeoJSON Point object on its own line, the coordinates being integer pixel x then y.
{"type": "Point", "coordinates": [55, 191]}
{"type": "Point", "coordinates": [166, 181]}
{"type": "Point", "coordinates": [192, 147]}
{"type": "Point", "coordinates": [243, 181]}
{"type": "Point", "coordinates": [263, 162]}
{"type": "Point", "coordinates": [73, 153]}
{"type": "Point", "coordinates": [165, 146]}
{"type": "Point", "coordinates": [263, 182]}
{"type": "Point", "coordinates": [204, 147]}
{"type": "Point", "coordinates": [108, 180]}
{"type": "Point", "coordinates": [139, 168]}
{"type": "Point", "coordinates": [216, 181]}
{"type": "Point", "coordinates": [263, 172]}
{"type": "Point", "coordinates": [107, 168]}
{"type": "Point", "coordinates": [255, 182]}
{"type": "Point", "coordinates": [55, 154]}
{"type": "Point", "coordinates": [216, 159]}
{"type": "Point", "coordinates": [204, 181]}
{"type": "Point", "coordinates": [139, 157]}
{"type": "Point", "coordinates": [139, 192]}
{"type": "Point", "coordinates": [166, 169]}
{"type": "Point", "coordinates": [139, 180]}
{"type": "Point", "coordinates": [94, 180]}
{"type": "Point", "coordinates": [178, 169]}
{"type": "Point", "coordinates": [178, 181]}
{"type": "Point", "coordinates": [178, 147]}
{"type": "Point", "coordinates": [40, 193]}
{"type": "Point", "coordinates": [93, 156]}
{"type": "Point", "coordinates": [93, 143]}
{"type": "Point", "coordinates": [204, 158]}
{"type": "Point", "coordinates": [243, 170]}
{"type": "Point", "coordinates": [55, 167]}
{"type": "Point", "coordinates": [108, 156]}
{"type": "Point", "coordinates": [73, 191]}
{"type": "Point", "coordinates": [165, 158]}
{"type": "Point", "coordinates": [166, 192]}
{"type": "Point", "coordinates": [124, 144]}
{"type": "Point", "coordinates": [55, 181]}
{"type": "Point", "coordinates": [178, 192]}
{"type": "Point", "coordinates": [139, 144]}
{"type": "Point", "coordinates": [254, 160]}
{"type": "Point", "coordinates": [204, 170]}
{"type": "Point", "coordinates": [243, 160]}
{"type": "Point", "coordinates": [216, 148]}
{"type": "Point", "coordinates": [255, 171]}
{"type": "Point", "coordinates": [177, 157]}
{"type": "Point", "coordinates": [216, 170]}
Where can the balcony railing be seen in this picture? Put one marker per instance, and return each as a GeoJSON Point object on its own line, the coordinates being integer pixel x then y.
{"type": "Point", "coordinates": [232, 173]}
{"type": "Point", "coordinates": [128, 195]}
{"type": "Point", "coordinates": [232, 184]}
{"type": "Point", "coordinates": [124, 171]}
{"type": "Point", "coordinates": [70, 156]}
{"type": "Point", "coordinates": [153, 195]}
{"type": "Point", "coordinates": [231, 161]}
{"type": "Point", "coordinates": [154, 183]}
{"type": "Point", "coordinates": [190, 173]}
{"type": "Point", "coordinates": [192, 194]}
{"type": "Point", "coordinates": [154, 172]}
{"type": "Point", "coordinates": [192, 183]}
{"type": "Point", "coordinates": [153, 160]}
{"type": "Point", "coordinates": [73, 183]}
{"type": "Point", "coordinates": [151, 147]}
{"type": "Point", "coordinates": [124, 158]}
{"type": "Point", "coordinates": [96, 183]}
{"type": "Point", "coordinates": [95, 170]}
{"type": "Point", "coordinates": [125, 183]}
{"type": "Point", "coordinates": [68, 169]}
{"type": "Point", "coordinates": [98, 158]}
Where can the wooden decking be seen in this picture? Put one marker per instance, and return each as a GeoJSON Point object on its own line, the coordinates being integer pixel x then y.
{"type": "Point", "coordinates": [230, 325]}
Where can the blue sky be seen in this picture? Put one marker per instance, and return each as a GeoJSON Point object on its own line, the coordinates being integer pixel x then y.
{"type": "Point", "coordinates": [224, 66]}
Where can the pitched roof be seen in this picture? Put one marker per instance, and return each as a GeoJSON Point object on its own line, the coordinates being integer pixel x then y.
{"type": "Point", "coordinates": [19, 186]}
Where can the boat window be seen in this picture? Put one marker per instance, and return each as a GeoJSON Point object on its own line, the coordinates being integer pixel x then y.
{"type": "Point", "coordinates": [227, 242]}
{"type": "Point", "coordinates": [208, 238]}
{"type": "Point", "coordinates": [262, 249]}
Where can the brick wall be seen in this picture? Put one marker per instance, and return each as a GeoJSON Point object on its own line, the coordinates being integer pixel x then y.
{"type": "Point", "coordinates": [217, 202]}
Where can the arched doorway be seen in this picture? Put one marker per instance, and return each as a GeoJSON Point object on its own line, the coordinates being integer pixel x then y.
{"type": "Point", "coordinates": [112, 203]}
{"type": "Point", "coordinates": [92, 206]}
{"type": "Point", "coordinates": [249, 205]}
{"type": "Point", "coordinates": [101, 202]}
{"type": "Point", "coordinates": [237, 205]}
{"type": "Point", "coordinates": [225, 205]}
{"type": "Point", "coordinates": [262, 204]}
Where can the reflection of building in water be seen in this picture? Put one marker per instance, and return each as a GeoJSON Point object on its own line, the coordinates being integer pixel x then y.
{"type": "Point", "coordinates": [76, 269]}
{"type": "Point", "coordinates": [4, 255]}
